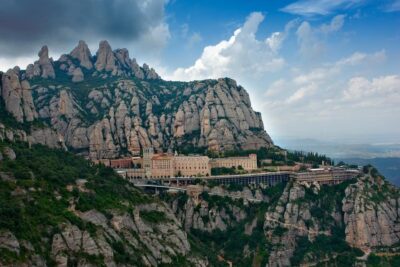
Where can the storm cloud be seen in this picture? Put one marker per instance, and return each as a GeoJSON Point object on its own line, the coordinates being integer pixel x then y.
{"type": "Point", "coordinates": [25, 25]}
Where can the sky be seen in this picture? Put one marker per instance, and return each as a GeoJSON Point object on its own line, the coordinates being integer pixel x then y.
{"type": "Point", "coordinates": [321, 69]}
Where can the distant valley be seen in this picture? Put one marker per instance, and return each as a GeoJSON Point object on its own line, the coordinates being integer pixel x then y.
{"type": "Point", "coordinates": [385, 157]}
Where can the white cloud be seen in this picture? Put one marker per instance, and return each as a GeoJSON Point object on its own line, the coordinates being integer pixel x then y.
{"type": "Point", "coordinates": [319, 86]}
{"type": "Point", "coordinates": [336, 24]}
{"type": "Point", "coordinates": [384, 89]}
{"type": "Point", "coordinates": [276, 88]}
{"type": "Point", "coordinates": [358, 58]}
{"type": "Point", "coordinates": [302, 92]}
{"type": "Point", "coordinates": [154, 41]}
{"type": "Point", "coordinates": [319, 7]}
{"type": "Point", "coordinates": [242, 55]}
{"type": "Point", "coordinates": [310, 46]}
{"type": "Point", "coordinates": [276, 39]}
{"type": "Point", "coordinates": [310, 39]}
{"type": "Point", "coordinates": [22, 62]}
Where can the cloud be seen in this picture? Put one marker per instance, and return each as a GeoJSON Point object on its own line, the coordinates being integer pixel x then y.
{"type": "Point", "coordinates": [311, 39]}
{"type": "Point", "coordinates": [276, 39]}
{"type": "Point", "coordinates": [336, 24]}
{"type": "Point", "coordinates": [302, 92]}
{"type": "Point", "coordinates": [394, 6]}
{"type": "Point", "coordinates": [25, 25]}
{"type": "Point", "coordinates": [381, 90]}
{"type": "Point", "coordinates": [319, 7]}
{"type": "Point", "coordinates": [242, 55]}
{"type": "Point", "coordinates": [320, 84]}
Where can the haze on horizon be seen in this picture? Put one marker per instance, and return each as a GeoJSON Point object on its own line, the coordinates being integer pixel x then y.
{"type": "Point", "coordinates": [327, 70]}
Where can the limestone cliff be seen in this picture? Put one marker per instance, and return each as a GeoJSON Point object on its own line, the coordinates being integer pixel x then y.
{"type": "Point", "coordinates": [107, 105]}
{"type": "Point", "coordinates": [298, 224]}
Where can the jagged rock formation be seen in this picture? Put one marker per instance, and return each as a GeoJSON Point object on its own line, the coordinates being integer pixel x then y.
{"type": "Point", "coordinates": [107, 105]}
{"type": "Point", "coordinates": [43, 67]}
{"type": "Point", "coordinates": [43, 136]}
{"type": "Point", "coordinates": [82, 53]}
{"type": "Point", "coordinates": [305, 224]}
{"type": "Point", "coordinates": [372, 213]}
{"type": "Point", "coordinates": [17, 96]}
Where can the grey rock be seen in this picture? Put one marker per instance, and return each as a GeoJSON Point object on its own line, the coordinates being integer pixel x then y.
{"type": "Point", "coordinates": [105, 57]}
{"type": "Point", "coordinates": [77, 75]}
{"type": "Point", "coordinates": [9, 241]}
{"type": "Point", "coordinates": [9, 153]}
{"type": "Point", "coordinates": [82, 53]}
{"type": "Point", "coordinates": [45, 63]}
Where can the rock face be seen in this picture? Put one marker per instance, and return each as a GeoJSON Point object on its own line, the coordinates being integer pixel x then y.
{"type": "Point", "coordinates": [45, 63]}
{"type": "Point", "coordinates": [157, 242]}
{"type": "Point", "coordinates": [77, 75]}
{"type": "Point", "coordinates": [17, 96]}
{"type": "Point", "coordinates": [105, 57]}
{"type": "Point", "coordinates": [82, 53]}
{"type": "Point", "coordinates": [114, 106]}
{"type": "Point", "coordinates": [371, 213]}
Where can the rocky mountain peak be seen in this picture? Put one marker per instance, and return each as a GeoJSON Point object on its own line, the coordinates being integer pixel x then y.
{"type": "Point", "coordinates": [150, 73]}
{"type": "Point", "coordinates": [82, 53]}
{"type": "Point", "coordinates": [125, 107]}
{"type": "Point", "coordinates": [105, 57]}
{"type": "Point", "coordinates": [123, 57]}
{"type": "Point", "coordinates": [44, 53]}
{"type": "Point", "coordinates": [45, 63]}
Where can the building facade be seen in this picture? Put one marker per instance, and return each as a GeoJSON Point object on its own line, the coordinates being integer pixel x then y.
{"type": "Point", "coordinates": [247, 163]}
{"type": "Point", "coordinates": [192, 166]}
{"type": "Point", "coordinates": [330, 175]}
{"type": "Point", "coordinates": [163, 165]}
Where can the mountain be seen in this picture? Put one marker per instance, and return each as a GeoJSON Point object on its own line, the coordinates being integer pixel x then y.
{"type": "Point", "coordinates": [389, 167]}
{"type": "Point", "coordinates": [58, 209]}
{"type": "Point", "coordinates": [106, 105]}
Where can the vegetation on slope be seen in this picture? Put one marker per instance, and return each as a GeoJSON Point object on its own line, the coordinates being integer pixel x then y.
{"type": "Point", "coordinates": [42, 187]}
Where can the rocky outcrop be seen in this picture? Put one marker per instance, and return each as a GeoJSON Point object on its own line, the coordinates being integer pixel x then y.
{"type": "Point", "coordinates": [82, 53]}
{"type": "Point", "coordinates": [45, 63]}
{"type": "Point", "coordinates": [9, 241]}
{"type": "Point", "coordinates": [43, 136]}
{"type": "Point", "coordinates": [77, 75]}
{"type": "Point", "coordinates": [17, 96]}
{"type": "Point", "coordinates": [150, 73]}
{"type": "Point", "coordinates": [9, 153]}
{"type": "Point", "coordinates": [105, 57]}
{"type": "Point", "coordinates": [119, 107]}
{"type": "Point", "coordinates": [150, 243]}
{"type": "Point", "coordinates": [371, 213]}
{"type": "Point", "coordinates": [43, 67]}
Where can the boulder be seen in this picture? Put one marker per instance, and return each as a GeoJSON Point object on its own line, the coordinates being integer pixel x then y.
{"type": "Point", "coordinates": [9, 153]}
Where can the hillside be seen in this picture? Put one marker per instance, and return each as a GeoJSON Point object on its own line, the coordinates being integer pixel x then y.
{"type": "Point", "coordinates": [106, 105]}
{"type": "Point", "coordinates": [56, 209]}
